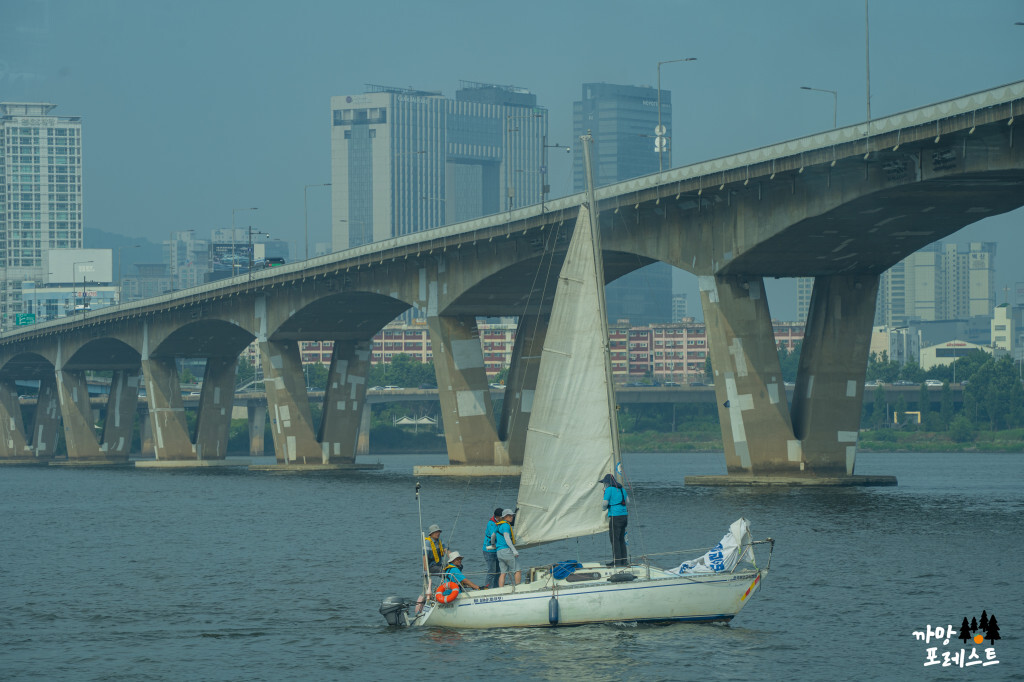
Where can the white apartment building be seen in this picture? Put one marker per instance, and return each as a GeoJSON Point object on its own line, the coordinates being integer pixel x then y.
{"type": "Point", "coordinates": [40, 197]}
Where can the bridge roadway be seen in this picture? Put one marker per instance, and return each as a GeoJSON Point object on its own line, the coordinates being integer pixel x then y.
{"type": "Point", "coordinates": [841, 206]}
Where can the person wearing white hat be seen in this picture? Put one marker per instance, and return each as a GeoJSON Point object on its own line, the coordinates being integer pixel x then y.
{"type": "Point", "coordinates": [433, 562]}
{"type": "Point", "coordinates": [505, 541]}
{"type": "Point", "coordinates": [453, 572]}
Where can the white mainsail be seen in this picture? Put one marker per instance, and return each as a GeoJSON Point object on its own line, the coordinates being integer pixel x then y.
{"type": "Point", "coordinates": [572, 437]}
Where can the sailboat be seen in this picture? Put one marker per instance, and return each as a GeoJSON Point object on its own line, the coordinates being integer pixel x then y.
{"type": "Point", "coordinates": [571, 443]}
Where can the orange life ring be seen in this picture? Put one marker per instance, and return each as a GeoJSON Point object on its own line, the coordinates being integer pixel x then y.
{"type": "Point", "coordinates": [447, 592]}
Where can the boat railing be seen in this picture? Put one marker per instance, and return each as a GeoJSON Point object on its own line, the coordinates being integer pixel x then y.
{"type": "Point", "coordinates": [747, 550]}
{"type": "Point", "coordinates": [544, 572]}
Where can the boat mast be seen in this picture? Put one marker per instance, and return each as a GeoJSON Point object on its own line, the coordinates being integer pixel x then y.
{"type": "Point", "coordinates": [595, 241]}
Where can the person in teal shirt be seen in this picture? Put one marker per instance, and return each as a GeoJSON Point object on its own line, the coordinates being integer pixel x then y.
{"type": "Point", "coordinates": [453, 572]}
{"type": "Point", "coordinates": [491, 550]}
{"type": "Point", "coordinates": [508, 555]}
{"type": "Point", "coordinates": [618, 517]}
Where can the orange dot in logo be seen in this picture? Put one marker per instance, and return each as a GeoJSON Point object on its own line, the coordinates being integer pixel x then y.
{"type": "Point", "coordinates": [978, 639]}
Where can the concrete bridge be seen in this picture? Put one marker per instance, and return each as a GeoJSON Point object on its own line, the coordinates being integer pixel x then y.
{"type": "Point", "coordinates": [842, 206]}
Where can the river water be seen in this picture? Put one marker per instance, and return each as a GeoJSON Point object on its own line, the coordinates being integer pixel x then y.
{"type": "Point", "coordinates": [231, 575]}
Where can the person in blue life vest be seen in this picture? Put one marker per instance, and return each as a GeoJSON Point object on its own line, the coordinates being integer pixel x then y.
{"type": "Point", "coordinates": [491, 550]}
{"type": "Point", "coordinates": [435, 551]}
{"type": "Point", "coordinates": [505, 541]}
{"type": "Point", "coordinates": [618, 517]}
{"type": "Point", "coordinates": [453, 572]}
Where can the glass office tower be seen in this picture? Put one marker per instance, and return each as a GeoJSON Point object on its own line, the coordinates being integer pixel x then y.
{"type": "Point", "coordinates": [405, 160]}
{"type": "Point", "coordinates": [622, 119]}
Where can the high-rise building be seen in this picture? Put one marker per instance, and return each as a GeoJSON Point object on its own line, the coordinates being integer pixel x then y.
{"type": "Point", "coordinates": [40, 196]}
{"type": "Point", "coordinates": [804, 289]}
{"type": "Point", "coordinates": [622, 119]}
{"type": "Point", "coordinates": [939, 282]}
{"type": "Point", "coordinates": [403, 160]}
{"type": "Point", "coordinates": [679, 307]}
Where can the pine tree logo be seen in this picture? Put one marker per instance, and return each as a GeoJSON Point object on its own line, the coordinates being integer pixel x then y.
{"type": "Point", "coordinates": [978, 632]}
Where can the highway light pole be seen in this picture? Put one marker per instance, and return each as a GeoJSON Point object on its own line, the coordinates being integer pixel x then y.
{"type": "Point", "coordinates": [835, 101]}
{"type": "Point", "coordinates": [659, 132]}
{"type": "Point", "coordinates": [74, 266]}
{"type": "Point", "coordinates": [234, 238]}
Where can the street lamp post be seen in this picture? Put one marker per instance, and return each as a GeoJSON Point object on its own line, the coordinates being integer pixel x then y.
{"type": "Point", "coordinates": [867, 61]}
{"type": "Point", "coordinates": [234, 238]}
{"type": "Point", "coordinates": [305, 208]}
{"type": "Point", "coordinates": [73, 268]}
{"type": "Point", "coordinates": [119, 286]}
{"type": "Point", "coordinates": [266, 234]}
{"type": "Point", "coordinates": [835, 101]}
{"type": "Point", "coordinates": [660, 131]}
{"type": "Point", "coordinates": [544, 187]}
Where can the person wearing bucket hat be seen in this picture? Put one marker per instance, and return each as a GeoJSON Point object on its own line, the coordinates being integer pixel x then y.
{"type": "Point", "coordinates": [615, 503]}
{"type": "Point", "coordinates": [508, 555]}
{"type": "Point", "coordinates": [434, 550]}
{"type": "Point", "coordinates": [453, 572]}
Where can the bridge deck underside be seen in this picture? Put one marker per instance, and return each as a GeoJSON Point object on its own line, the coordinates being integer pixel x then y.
{"type": "Point", "coordinates": [874, 232]}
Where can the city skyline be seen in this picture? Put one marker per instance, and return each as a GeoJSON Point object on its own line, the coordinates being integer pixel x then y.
{"type": "Point", "coordinates": [180, 129]}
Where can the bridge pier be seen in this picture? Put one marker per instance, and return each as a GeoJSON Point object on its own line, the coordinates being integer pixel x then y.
{"type": "Point", "coordinates": [828, 399]}
{"type": "Point", "coordinates": [119, 423]}
{"type": "Point", "coordinates": [291, 422]}
{"type": "Point", "coordinates": [521, 384]}
{"type": "Point", "coordinates": [80, 422]}
{"type": "Point", "coordinates": [257, 421]}
{"type": "Point", "coordinates": [213, 419]}
{"type": "Point", "coordinates": [145, 431]}
{"type": "Point", "coordinates": [464, 392]}
{"type": "Point", "coordinates": [14, 445]}
{"type": "Point", "coordinates": [171, 440]}
{"type": "Point", "coordinates": [344, 401]}
{"type": "Point", "coordinates": [365, 421]}
{"type": "Point", "coordinates": [748, 378]}
{"type": "Point", "coordinates": [46, 422]}
{"type": "Point", "coordinates": [764, 442]}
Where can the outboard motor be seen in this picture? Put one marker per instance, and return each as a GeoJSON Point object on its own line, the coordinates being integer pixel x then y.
{"type": "Point", "coordinates": [396, 611]}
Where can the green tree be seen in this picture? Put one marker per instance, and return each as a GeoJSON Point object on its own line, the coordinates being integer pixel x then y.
{"type": "Point", "coordinates": [994, 395]}
{"type": "Point", "coordinates": [403, 371]}
{"type": "Point", "coordinates": [880, 368]}
{"type": "Point", "coordinates": [245, 372]}
{"type": "Point", "coordinates": [316, 375]}
{"type": "Point", "coordinates": [961, 430]}
{"type": "Point", "coordinates": [911, 372]}
{"type": "Point", "coordinates": [900, 408]}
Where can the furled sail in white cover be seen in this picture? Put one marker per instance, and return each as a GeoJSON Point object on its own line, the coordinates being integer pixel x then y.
{"type": "Point", "coordinates": [571, 441]}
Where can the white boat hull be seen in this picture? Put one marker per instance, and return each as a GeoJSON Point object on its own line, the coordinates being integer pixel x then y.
{"type": "Point", "coordinates": [663, 597]}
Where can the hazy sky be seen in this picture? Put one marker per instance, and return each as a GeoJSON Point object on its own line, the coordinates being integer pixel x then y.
{"type": "Point", "coordinates": [191, 109]}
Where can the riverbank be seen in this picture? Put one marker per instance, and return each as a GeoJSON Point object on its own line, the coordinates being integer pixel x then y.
{"type": "Point", "coordinates": [878, 440]}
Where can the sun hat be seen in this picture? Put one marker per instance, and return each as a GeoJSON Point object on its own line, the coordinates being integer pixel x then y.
{"type": "Point", "coordinates": [452, 556]}
{"type": "Point", "coordinates": [433, 528]}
